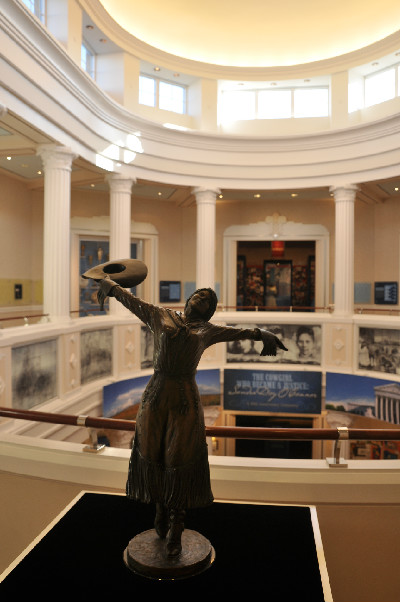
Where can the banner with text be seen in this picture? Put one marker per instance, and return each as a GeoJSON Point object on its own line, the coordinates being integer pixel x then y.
{"type": "Point", "coordinates": [292, 392]}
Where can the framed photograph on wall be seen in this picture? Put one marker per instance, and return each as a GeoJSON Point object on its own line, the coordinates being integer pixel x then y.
{"type": "Point", "coordinates": [277, 283]}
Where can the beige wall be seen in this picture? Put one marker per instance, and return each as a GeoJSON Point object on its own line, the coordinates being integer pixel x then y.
{"type": "Point", "coordinates": [386, 240]}
{"type": "Point", "coordinates": [19, 237]}
{"type": "Point", "coordinates": [377, 234]}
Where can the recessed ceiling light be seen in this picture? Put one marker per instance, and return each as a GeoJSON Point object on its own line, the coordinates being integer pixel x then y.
{"type": "Point", "coordinates": [89, 27]}
{"type": "Point", "coordinates": [375, 64]}
{"type": "Point", "coordinates": [220, 196]}
{"type": "Point", "coordinates": [92, 185]}
{"type": "Point", "coordinates": [103, 40]}
{"type": "Point", "coordinates": [176, 74]}
{"type": "Point", "coordinates": [39, 173]}
{"type": "Point", "coordinates": [257, 196]}
{"type": "Point", "coordinates": [159, 193]}
{"type": "Point", "coordinates": [8, 158]}
{"type": "Point", "coordinates": [157, 69]}
{"type": "Point", "coordinates": [294, 194]}
{"type": "Point", "coordinates": [397, 188]}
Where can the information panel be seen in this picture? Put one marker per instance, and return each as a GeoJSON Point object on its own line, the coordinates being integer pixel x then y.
{"type": "Point", "coordinates": [272, 391]}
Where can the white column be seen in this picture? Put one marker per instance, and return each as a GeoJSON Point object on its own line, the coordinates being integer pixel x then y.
{"type": "Point", "coordinates": [57, 163]}
{"type": "Point", "coordinates": [120, 224]}
{"type": "Point", "coordinates": [206, 201]}
{"type": "Point", "coordinates": [344, 249]}
{"type": "Point", "coordinates": [120, 216]}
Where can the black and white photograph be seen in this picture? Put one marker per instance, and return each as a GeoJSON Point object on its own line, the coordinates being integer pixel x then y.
{"type": "Point", "coordinates": [34, 374]}
{"type": "Point", "coordinates": [96, 354]}
{"type": "Point", "coordinates": [302, 341]}
{"type": "Point", "coordinates": [379, 350]}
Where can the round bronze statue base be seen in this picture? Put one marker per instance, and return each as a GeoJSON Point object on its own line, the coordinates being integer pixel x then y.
{"type": "Point", "coordinates": [146, 555]}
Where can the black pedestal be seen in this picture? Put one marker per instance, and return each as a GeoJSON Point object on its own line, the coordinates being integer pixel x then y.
{"type": "Point", "coordinates": [258, 548]}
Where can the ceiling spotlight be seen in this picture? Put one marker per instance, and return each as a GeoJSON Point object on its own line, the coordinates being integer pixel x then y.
{"type": "Point", "coordinates": [220, 196]}
{"type": "Point", "coordinates": [294, 194]}
{"type": "Point", "coordinates": [157, 69]}
{"type": "Point", "coordinates": [39, 173]}
{"type": "Point", "coordinates": [8, 158]}
{"type": "Point", "coordinates": [92, 185]}
{"type": "Point", "coordinates": [257, 196]}
{"type": "Point", "coordinates": [103, 40]}
{"type": "Point", "coordinates": [159, 193]}
{"type": "Point", "coordinates": [89, 27]}
{"type": "Point", "coordinates": [396, 188]}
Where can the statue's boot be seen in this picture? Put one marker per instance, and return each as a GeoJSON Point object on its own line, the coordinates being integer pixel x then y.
{"type": "Point", "coordinates": [174, 543]}
{"type": "Point", "coordinates": [161, 521]}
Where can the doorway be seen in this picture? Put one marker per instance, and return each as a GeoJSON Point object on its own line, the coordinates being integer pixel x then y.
{"type": "Point", "coordinates": [275, 276]}
{"type": "Point", "coordinates": [270, 448]}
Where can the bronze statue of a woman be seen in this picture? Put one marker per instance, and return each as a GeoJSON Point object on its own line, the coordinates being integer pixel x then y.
{"type": "Point", "coordinates": [169, 459]}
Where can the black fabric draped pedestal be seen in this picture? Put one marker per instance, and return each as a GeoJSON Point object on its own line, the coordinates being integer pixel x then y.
{"type": "Point", "coordinates": [266, 550]}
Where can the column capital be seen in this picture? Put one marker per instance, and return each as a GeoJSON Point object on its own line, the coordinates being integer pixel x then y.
{"type": "Point", "coordinates": [205, 195]}
{"type": "Point", "coordinates": [346, 192]}
{"type": "Point", "coordinates": [55, 156]}
{"type": "Point", "coordinates": [120, 183]}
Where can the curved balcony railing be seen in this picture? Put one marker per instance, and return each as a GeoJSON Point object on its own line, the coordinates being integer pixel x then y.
{"type": "Point", "coordinates": [35, 318]}
{"type": "Point", "coordinates": [338, 435]}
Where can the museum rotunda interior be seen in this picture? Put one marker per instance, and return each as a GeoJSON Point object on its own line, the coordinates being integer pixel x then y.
{"type": "Point", "coordinates": [251, 148]}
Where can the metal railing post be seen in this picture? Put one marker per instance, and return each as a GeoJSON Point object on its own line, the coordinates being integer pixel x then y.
{"type": "Point", "coordinates": [95, 447]}
{"type": "Point", "coordinates": [343, 432]}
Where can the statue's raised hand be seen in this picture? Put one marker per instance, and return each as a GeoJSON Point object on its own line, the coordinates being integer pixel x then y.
{"type": "Point", "coordinates": [105, 290]}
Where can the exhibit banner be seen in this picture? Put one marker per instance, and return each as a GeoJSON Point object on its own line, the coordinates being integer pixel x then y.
{"type": "Point", "coordinates": [272, 391]}
{"type": "Point", "coordinates": [120, 398]}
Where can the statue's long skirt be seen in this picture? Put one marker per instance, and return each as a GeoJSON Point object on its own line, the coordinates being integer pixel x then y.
{"type": "Point", "coordinates": [169, 459]}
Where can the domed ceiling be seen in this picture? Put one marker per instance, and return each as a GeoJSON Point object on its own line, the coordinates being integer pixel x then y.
{"type": "Point", "coordinates": [256, 33]}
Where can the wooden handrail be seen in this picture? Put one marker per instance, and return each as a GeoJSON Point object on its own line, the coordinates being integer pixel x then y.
{"type": "Point", "coordinates": [23, 317]}
{"type": "Point", "coordinates": [235, 432]}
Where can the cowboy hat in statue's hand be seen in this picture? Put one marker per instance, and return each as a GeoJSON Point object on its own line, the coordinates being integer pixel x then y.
{"type": "Point", "coordinates": [125, 272]}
